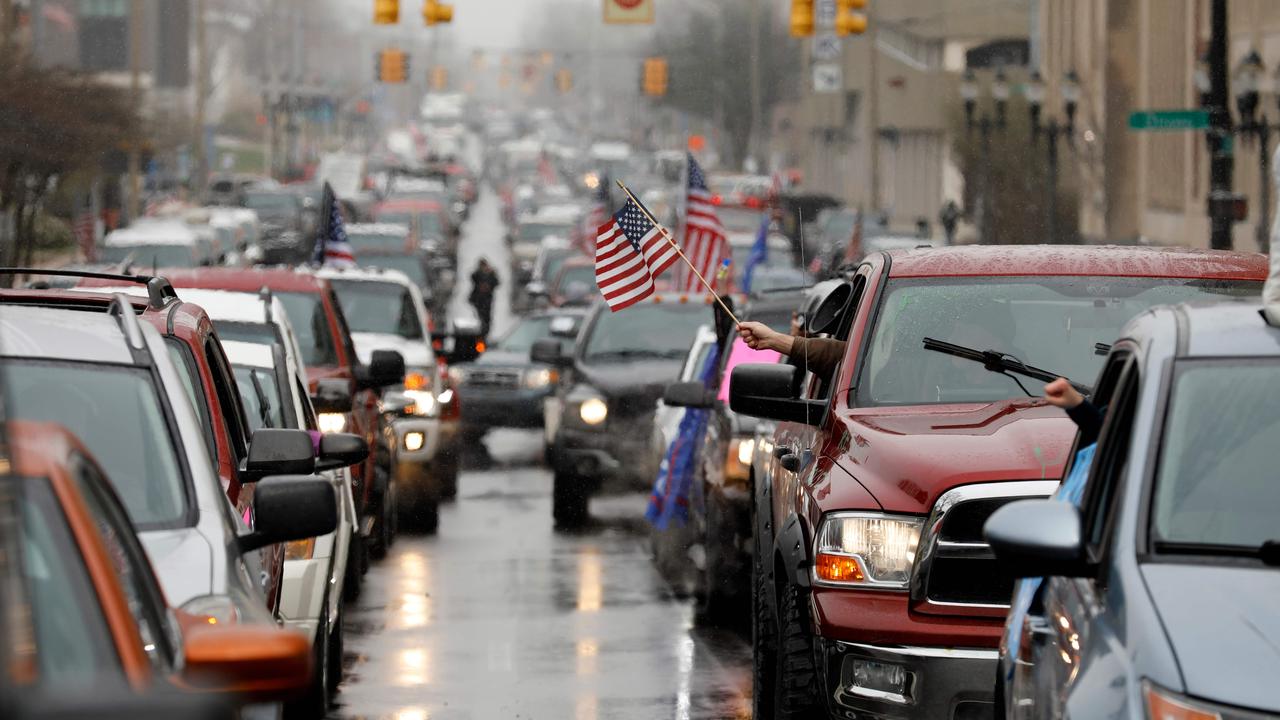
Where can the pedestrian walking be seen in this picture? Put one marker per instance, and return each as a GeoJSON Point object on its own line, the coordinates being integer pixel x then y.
{"type": "Point", "coordinates": [484, 281]}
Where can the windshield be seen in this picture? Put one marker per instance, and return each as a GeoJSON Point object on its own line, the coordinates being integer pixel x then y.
{"type": "Point", "coordinates": [522, 337]}
{"type": "Point", "coordinates": [533, 232]}
{"type": "Point", "coordinates": [1049, 322]}
{"type": "Point", "coordinates": [256, 333]}
{"type": "Point", "coordinates": [410, 265]}
{"type": "Point", "coordinates": [655, 330]}
{"type": "Point", "coordinates": [576, 280]}
{"type": "Point", "coordinates": [379, 307]}
{"type": "Point", "coordinates": [147, 256]}
{"type": "Point", "coordinates": [259, 416]}
{"type": "Point", "coordinates": [552, 261]}
{"type": "Point", "coordinates": [117, 414]}
{"type": "Point", "coordinates": [273, 203]}
{"type": "Point", "coordinates": [311, 326]}
{"type": "Point", "coordinates": [1216, 483]}
{"type": "Point", "coordinates": [376, 241]}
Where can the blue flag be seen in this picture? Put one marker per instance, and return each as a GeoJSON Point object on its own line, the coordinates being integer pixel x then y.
{"type": "Point", "coordinates": [759, 253]}
{"type": "Point", "coordinates": [669, 503]}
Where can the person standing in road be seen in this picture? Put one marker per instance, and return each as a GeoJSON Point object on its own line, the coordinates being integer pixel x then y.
{"type": "Point", "coordinates": [484, 281]}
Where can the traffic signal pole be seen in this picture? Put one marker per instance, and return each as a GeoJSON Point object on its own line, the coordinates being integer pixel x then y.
{"type": "Point", "coordinates": [1221, 163]}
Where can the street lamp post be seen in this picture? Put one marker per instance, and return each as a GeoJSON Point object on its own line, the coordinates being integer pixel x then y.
{"type": "Point", "coordinates": [1247, 82]}
{"type": "Point", "coordinates": [985, 124]}
{"type": "Point", "coordinates": [1051, 132]}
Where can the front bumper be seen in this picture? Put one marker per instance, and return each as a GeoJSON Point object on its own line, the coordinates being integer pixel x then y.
{"type": "Point", "coordinates": [432, 439]}
{"type": "Point", "coordinates": [939, 682]}
{"type": "Point", "coordinates": [489, 407]}
{"type": "Point", "coordinates": [606, 454]}
{"type": "Point", "coordinates": [303, 591]}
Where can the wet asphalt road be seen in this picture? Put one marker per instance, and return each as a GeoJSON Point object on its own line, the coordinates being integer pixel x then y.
{"type": "Point", "coordinates": [501, 616]}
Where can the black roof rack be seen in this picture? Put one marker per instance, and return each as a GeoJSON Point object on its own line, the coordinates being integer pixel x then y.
{"type": "Point", "coordinates": [265, 295]}
{"type": "Point", "coordinates": [159, 290]}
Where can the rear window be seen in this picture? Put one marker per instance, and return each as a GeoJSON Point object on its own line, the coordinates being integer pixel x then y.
{"type": "Point", "coordinates": [311, 326]}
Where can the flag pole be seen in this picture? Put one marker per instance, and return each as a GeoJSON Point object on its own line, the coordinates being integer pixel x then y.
{"type": "Point", "coordinates": [679, 252]}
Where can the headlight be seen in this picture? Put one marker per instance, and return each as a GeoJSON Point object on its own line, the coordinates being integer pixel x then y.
{"type": "Point", "coordinates": [593, 411]}
{"type": "Point", "coordinates": [539, 378]}
{"type": "Point", "coordinates": [1163, 704]}
{"type": "Point", "coordinates": [737, 463]}
{"type": "Point", "coordinates": [332, 422]}
{"type": "Point", "coordinates": [215, 609]}
{"type": "Point", "coordinates": [424, 403]}
{"type": "Point", "coordinates": [866, 550]}
{"type": "Point", "coordinates": [746, 450]}
{"type": "Point", "coordinates": [300, 549]}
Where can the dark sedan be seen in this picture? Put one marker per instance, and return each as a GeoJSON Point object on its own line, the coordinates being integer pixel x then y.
{"type": "Point", "coordinates": [504, 387]}
{"type": "Point", "coordinates": [1160, 599]}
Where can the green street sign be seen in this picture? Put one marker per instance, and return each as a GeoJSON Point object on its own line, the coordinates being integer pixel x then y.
{"type": "Point", "coordinates": [1162, 120]}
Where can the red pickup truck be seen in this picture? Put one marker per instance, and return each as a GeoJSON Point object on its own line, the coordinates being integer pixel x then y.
{"type": "Point", "coordinates": [876, 595]}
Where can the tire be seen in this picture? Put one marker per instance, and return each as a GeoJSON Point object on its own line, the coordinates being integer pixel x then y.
{"type": "Point", "coordinates": [795, 683]}
{"type": "Point", "coordinates": [314, 703]}
{"type": "Point", "coordinates": [383, 532]}
{"type": "Point", "coordinates": [568, 501]}
{"type": "Point", "coordinates": [715, 604]}
{"type": "Point", "coordinates": [337, 637]}
{"type": "Point", "coordinates": [764, 644]}
{"type": "Point", "coordinates": [449, 476]}
{"type": "Point", "coordinates": [353, 576]}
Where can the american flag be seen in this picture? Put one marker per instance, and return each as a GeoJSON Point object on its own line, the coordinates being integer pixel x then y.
{"type": "Point", "coordinates": [630, 252]}
{"type": "Point", "coordinates": [705, 242]}
{"type": "Point", "coordinates": [332, 246]}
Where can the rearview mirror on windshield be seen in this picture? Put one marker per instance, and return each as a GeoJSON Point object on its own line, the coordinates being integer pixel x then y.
{"type": "Point", "coordinates": [771, 391]}
{"type": "Point", "coordinates": [1038, 538]}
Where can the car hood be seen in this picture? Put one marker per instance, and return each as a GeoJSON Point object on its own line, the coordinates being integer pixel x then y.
{"type": "Point", "coordinates": [498, 358]}
{"type": "Point", "coordinates": [907, 456]}
{"type": "Point", "coordinates": [183, 561]}
{"type": "Point", "coordinates": [1224, 629]}
{"type": "Point", "coordinates": [635, 385]}
{"type": "Point", "coordinates": [415, 352]}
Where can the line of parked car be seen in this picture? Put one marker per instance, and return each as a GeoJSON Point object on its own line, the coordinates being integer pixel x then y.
{"type": "Point", "coordinates": [208, 459]}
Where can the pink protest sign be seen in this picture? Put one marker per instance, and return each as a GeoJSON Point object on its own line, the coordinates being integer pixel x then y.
{"type": "Point", "coordinates": [739, 354]}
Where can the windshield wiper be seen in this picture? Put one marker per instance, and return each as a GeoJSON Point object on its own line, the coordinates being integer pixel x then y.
{"type": "Point", "coordinates": [631, 353]}
{"type": "Point", "coordinates": [1268, 552]}
{"type": "Point", "coordinates": [1001, 363]}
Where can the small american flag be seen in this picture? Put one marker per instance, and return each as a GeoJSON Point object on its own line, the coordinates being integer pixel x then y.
{"type": "Point", "coordinates": [705, 242]}
{"type": "Point", "coordinates": [630, 252]}
{"type": "Point", "coordinates": [332, 246]}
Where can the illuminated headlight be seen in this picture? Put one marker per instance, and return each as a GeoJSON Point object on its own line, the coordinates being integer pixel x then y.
{"type": "Point", "coordinates": [413, 441]}
{"type": "Point", "coordinates": [593, 411]}
{"type": "Point", "coordinates": [538, 378]}
{"type": "Point", "coordinates": [332, 422]}
{"type": "Point", "coordinates": [746, 450]}
{"type": "Point", "coordinates": [737, 464]}
{"type": "Point", "coordinates": [215, 609]}
{"type": "Point", "coordinates": [866, 550]}
{"type": "Point", "coordinates": [424, 403]}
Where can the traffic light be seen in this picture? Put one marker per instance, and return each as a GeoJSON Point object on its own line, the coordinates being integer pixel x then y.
{"type": "Point", "coordinates": [848, 20]}
{"type": "Point", "coordinates": [391, 66]}
{"type": "Point", "coordinates": [564, 81]}
{"type": "Point", "coordinates": [434, 12]}
{"type": "Point", "coordinates": [801, 18]}
{"type": "Point", "coordinates": [386, 12]}
{"type": "Point", "coordinates": [439, 77]}
{"type": "Point", "coordinates": [655, 76]}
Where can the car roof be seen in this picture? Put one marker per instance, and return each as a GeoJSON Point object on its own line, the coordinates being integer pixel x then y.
{"type": "Point", "coordinates": [393, 229]}
{"type": "Point", "coordinates": [279, 279]}
{"type": "Point", "coordinates": [62, 333]}
{"type": "Point", "coordinates": [166, 231]}
{"type": "Point", "coordinates": [1091, 260]}
{"type": "Point", "coordinates": [1227, 329]}
{"type": "Point", "coordinates": [362, 274]}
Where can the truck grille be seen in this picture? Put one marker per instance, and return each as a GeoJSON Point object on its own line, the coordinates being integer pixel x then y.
{"type": "Point", "coordinates": [501, 379]}
{"type": "Point", "coordinates": [955, 571]}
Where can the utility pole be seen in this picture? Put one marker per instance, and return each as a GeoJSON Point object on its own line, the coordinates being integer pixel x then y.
{"type": "Point", "coordinates": [134, 206]}
{"type": "Point", "coordinates": [757, 99]}
{"type": "Point", "coordinates": [873, 113]}
{"type": "Point", "coordinates": [1222, 162]}
{"type": "Point", "coordinates": [200, 163]}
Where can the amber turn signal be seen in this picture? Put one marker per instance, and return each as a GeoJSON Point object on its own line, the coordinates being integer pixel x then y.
{"type": "Point", "coordinates": [837, 568]}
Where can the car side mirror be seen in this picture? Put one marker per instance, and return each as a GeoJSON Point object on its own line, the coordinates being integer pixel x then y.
{"type": "Point", "coordinates": [691, 394]}
{"type": "Point", "coordinates": [386, 367]}
{"type": "Point", "coordinates": [550, 352]}
{"type": "Point", "coordinates": [258, 663]}
{"type": "Point", "coordinates": [290, 507]}
{"type": "Point", "coordinates": [771, 391]}
{"type": "Point", "coordinates": [536, 289]}
{"type": "Point", "coordinates": [332, 396]}
{"type": "Point", "coordinates": [339, 450]}
{"type": "Point", "coordinates": [1038, 538]}
{"type": "Point", "coordinates": [278, 451]}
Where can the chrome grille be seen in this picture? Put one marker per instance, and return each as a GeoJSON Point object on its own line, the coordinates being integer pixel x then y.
{"type": "Point", "coordinates": [506, 379]}
{"type": "Point", "coordinates": [955, 571]}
